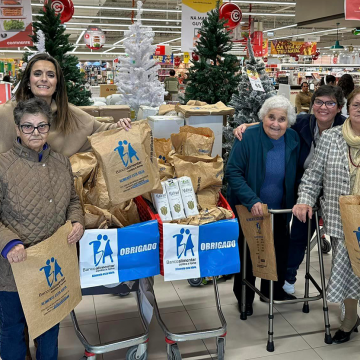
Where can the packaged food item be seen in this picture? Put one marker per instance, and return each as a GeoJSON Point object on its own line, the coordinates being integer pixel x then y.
{"type": "Point", "coordinates": [162, 205]}
{"type": "Point", "coordinates": [175, 201]}
{"type": "Point", "coordinates": [188, 196]}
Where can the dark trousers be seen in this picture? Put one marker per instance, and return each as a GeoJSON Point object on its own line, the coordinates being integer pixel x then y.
{"type": "Point", "coordinates": [297, 247]}
{"type": "Point", "coordinates": [12, 338]}
{"type": "Point", "coordinates": [281, 243]}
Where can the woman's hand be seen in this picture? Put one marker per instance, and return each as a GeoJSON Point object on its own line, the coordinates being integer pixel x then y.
{"type": "Point", "coordinates": [76, 233]}
{"type": "Point", "coordinates": [301, 210]}
{"type": "Point", "coordinates": [17, 254]}
{"type": "Point", "coordinates": [124, 123]}
{"type": "Point", "coordinates": [239, 131]}
{"type": "Point", "coordinates": [257, 210]}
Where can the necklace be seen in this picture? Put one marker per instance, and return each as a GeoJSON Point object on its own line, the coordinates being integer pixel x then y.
{"type": "Point", "coordinates": [352, 160]}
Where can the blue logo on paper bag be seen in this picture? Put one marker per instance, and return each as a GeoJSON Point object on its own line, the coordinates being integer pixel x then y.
{"type": "Point", "coordinates": [258, 228]}
{"type": "Point", "coordinates": [51, 270]}
{"type": "Point", "coordinates": [126, 156]}
{"type": "Point", "coordinates": [102, 249]}
{"type": "Point", "coordinates": [357, 232]}
{"type": "Point", "coordinates": [182, 245]}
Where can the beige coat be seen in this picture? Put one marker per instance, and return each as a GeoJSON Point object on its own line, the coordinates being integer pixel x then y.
{"type": "Point", "coordinates": [302, 102]}
{"type": "Point", "coordinates": [36, 198]}
{"type": "Point", "coordinates": [67, 145]}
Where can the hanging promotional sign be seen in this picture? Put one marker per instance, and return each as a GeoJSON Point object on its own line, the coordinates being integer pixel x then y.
{"type": "Point", "coordinates": [63, 7]}
{"type": "Point", "coordinates": [255, 80]}
{"type": "Point", "coordinates": [265, 47]}
{"type": "Point", "coordinates": [232, 14]}
{"type": "Point", "coordinates": [193, 14]}
{"type": "Point", "coordinates": [352, 9]}
{"type": "Point", "coordinates": [257, 43]}
{"type": "Point", "coordinates": [15, 23]}
{"type": "Point", "coordinates": [163, 59]}
{"type": "Point", "coordinates": [94, 38]}
{"type": "Point", "coordinates": [282, 47]}
{"type": "Point", "coordinates": [200, 251]}
{"type": "Point", "coordinates": [111, 256]}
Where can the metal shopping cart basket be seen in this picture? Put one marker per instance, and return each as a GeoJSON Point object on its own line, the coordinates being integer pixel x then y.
{"type": "Point", "coordinates": [321, 289]}
{"type": "Point", "coordinates": [172, 339]}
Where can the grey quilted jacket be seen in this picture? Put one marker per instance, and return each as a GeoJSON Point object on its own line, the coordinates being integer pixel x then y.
{"type": "Point", "coordinates": [36, 198]}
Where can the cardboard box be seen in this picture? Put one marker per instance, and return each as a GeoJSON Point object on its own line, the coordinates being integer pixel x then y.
{"type": "Point", "coordinates": [91, 110]}
{"type": "Point", "coordinates": [164, 126]}
{"type": "Point", "coordinates": [116, 111]}
{"type": "Point", "coordinates": [107, 89]}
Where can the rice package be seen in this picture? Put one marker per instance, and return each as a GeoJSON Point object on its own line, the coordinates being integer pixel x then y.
{"type": "Point", "coordinates": [162, 205]}
{"type": "Point", "coordinates": [175, 201]}
{"type": "Point", "coordinates": [188, 196]}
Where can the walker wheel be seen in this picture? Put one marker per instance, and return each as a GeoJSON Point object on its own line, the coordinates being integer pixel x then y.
{"type": "Point", "coordinates": [221, 348]}
{"type": "Point", "coordinates": [325, 246]}
{"type": "Point", "coordinates": [174, 353]}
{"type": "Point", "coordinates": [195, 282]}
{"type": "Point", "coordinates": [131, 354]}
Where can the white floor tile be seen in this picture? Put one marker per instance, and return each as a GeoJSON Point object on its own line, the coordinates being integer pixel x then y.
{"type": "Point", "coordinates": [346, 351]}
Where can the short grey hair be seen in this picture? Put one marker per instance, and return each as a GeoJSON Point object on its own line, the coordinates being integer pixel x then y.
{"type": "Point", "coordinates": [32, 106]}
{"type": "Point", "coordinates": [278, 102]}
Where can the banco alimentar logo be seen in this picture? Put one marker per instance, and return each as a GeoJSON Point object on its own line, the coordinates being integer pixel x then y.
{"type": "Point", "coordinates": [184, 243]}
{"type": "Point", "coordinates": [101, 249]}
{"type": "Point", "coordinates": [52, 270]}
{"type": "Point", "coordinates": [126, 152]}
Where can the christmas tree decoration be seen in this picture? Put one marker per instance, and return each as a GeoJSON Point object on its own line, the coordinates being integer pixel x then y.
{"type": "Point", "coordinates": [58, 46]}
{"type": "Point", "coordinates": [63, 7]}
{"type": "Point", "coordinates": [247, 102]}
{"type": "Point", "coordinates": [177, 61]}
{"type": "Point", "coordinates": [94, 38]}
{"type": "Point", "coordinates": [232, 14]}
{"type": "Point", "coordinates": [136, 74]}
{"type": "Point", "coordinates": [194, 56]}
{"type": "Point", "coordinates": [214, 77]}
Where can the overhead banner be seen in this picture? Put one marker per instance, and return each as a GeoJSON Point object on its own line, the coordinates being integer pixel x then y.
{"type": "Point", "coordinates": [283, 47]}
{"type": "Point", "coordinates": [15, 23]}
{"type": "Point", "coordinates": [352, 9]}
{"type": "Point", "coordinates": [193, 14]}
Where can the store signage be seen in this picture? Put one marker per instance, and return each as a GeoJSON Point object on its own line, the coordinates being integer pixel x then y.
{"type": "Point", "coordinates": [186, 57]}
{"type": "Point", "coordinates": [255, 81]}
{"type": "Point", "coordinates": [63, 7]}
{"type": "Point", "coordinates": [160, 50]}
{"type": "Point", "coordinates": [15, 24]}
{"type": "Point", "coordinates": [232, 14]}
{"type": "Point", "coordinates": [94, 38]}
{"type": "Point", "coordinates": [270, 33]}
{"type": "Point", "coordinates": [163, 59]}
{"type": "Point", "coordinates": [352, 9]}
{"type": "Point", "coordinates": [283, 47]}
{"type": "Point", "coordinates": [311, 38]}
{"type": "Point", "coordinates": [193, 14]}
{"type": "Point", "coordinates": [257, 43]}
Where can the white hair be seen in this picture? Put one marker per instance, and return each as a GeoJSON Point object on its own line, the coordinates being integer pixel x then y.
{"type": "Point", "coordinates": [278, 102]}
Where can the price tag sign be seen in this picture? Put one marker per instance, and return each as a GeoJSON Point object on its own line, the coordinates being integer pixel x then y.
{"type": "Point", "coordinates": [255, 80]}
{"type": "Point", "coordinates": [186, 57]}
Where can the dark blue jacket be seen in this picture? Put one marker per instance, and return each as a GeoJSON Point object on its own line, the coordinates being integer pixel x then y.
{"type": "Point", "coordinates": [245, 171]}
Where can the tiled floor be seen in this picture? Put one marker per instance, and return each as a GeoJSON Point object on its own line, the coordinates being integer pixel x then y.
{"type": "Point", "coordinates": [298, 336]}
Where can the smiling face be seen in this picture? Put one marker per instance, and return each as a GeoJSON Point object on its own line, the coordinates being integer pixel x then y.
{"type": "Point", "coordinates": [275, 123]}
{"type": "Point", "coordinates": [43, 80]}
{"type": "Point", "coordinates": [325, 114]}
{"type": "Point", "coordinates": [354, 110]}
{"type": "Point", "coordinates": [35, 140]}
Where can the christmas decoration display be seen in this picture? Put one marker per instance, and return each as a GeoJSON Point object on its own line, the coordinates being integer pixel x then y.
{"type": "Point", "coordinates": [94, 38]}
{"type": "Point", "coordinates": [213, 78]}
{"type": "Point", "coordinates": [58, 46]}
{"type": "Point", "coordinates": [63, 7]}
{"type": "Point", "coordinates": [232, 14]}
{"type": "Point", "coordinates": [247, 102]}
{"type": "Point", "coordinates": [194, 56]}
{"type": "Point", "coordinates": [177, 61]}
{"type": "Point", "coordinates": [136, 74]}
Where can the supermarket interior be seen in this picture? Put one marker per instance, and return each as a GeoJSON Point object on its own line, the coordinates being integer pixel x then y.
{"type": "Point", "coordinates": [151, 95]}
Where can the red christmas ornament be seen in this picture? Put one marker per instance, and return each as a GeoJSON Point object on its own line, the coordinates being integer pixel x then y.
{"type": "Point", "coordinates": [63, 7]}
{"type": "Point", "coordinates": [177, 61]}
{"type": "Point", "coordinates": [195, 57]}
{"type": "Point", "coordinates": [296, 58]}
{"type": "Point", "coordinates": [265, 59]}
{"type": "Point", "coordinates": [317, 53]}
{"type": "Point", "coordinates": [335, 60]}
{"type": "Point", "coordinates": [232, 13]}
{"type": "Point", "coordinates": [315, 57]}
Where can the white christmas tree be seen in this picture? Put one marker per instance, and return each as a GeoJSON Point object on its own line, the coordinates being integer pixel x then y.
{"type": "Point", "coordinates": [136, 76]}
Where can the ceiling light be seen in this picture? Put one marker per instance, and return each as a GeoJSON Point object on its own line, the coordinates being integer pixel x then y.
{"type": "Point", "coordinates": [165, 42]}
{"type": "Point", "coordinates": [310, 33]}
{"type": "Point", "coordinates": [108, 50]}
{"type": "Point", "coordinates": [280, 28]}
{"type": "Point", "coordinates": [264, 2]}
{"type": "Point", "coordinates": [268, 14]}
{"type": "Point", "coordinates": [122, 25]}
{"type": "Point", "coordinates": [337, 45]}
{"type": "Point", "coordinates": [119, 30]}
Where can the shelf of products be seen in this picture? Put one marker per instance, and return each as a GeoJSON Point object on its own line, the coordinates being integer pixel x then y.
{"type": "Point", "coordinates": [181, 73]}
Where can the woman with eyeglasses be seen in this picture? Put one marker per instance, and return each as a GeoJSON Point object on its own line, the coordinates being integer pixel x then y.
{"type": "Point", "coordinates": [37, 196]}
{"type": "Point", "coordinates": [334, 172]}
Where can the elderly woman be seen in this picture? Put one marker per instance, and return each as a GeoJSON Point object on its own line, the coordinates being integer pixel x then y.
{"type": "Point", "coordinates": [327, 102]}
{"type": "Point", "coordinates": [37, 196]}
{"type": "Point", "coordinates": [334, 172]}
{"type": "Point", "coordinates": [43, 78]}
{"type": "Point", "coordinates": [262, 169]}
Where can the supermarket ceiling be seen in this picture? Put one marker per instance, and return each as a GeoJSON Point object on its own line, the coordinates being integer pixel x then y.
{"type": "Point", "coordinates": [164, 16]}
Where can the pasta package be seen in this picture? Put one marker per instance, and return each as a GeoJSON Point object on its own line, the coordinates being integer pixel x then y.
{"type": "Point", "coordinates": [162, 205]}
{"type": "Point", "coordinates": [175, 201]}
{"type": "Point", "coordinates": [188, 196]}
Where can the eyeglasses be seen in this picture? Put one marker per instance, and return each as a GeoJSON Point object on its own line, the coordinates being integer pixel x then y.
{"type": "Point", "coordinates": [328, 104]}
{"type": "Point", "coordinates": [29, 129]}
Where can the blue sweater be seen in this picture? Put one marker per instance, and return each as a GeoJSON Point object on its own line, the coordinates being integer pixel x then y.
{"type": "Point", "coordinates": [246, 168]}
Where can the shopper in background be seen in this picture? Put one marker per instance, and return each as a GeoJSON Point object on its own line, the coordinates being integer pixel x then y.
{"type": "Point", "coordinates": [262, 169]}
{"type": "Point", "coordinates": [333, 172]}
{"type": "Point", "coordinates": [347, 85]}
{"type": "Point", "coordinates": [328, 80]}
{"type": "Point", "coordinates": [6, 78]}
{"type": "Point", "coordinates": [43, 78]}
{"type": "Point", "coordinates": [327, 103]}
{"type": "Point", "coordinates": [172, 85]}
{"type": "Point", "coordinates": [303, 99]}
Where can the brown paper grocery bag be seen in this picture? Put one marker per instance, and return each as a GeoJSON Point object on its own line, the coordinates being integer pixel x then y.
{"type": "Point", "coordinates": [162, 149]}
{"type": "Point", "coordinates": [350, 217]}
{"type": "Point", "coordinates": [48, 281]}
{"type": "Point", "coordinates": [128, 161]}
{"type": "Point", "coordinates": [164, 109]}
{"type": "Point", "coordinates": [83, 164]}
{"type": "Point", "coordinates": [260, 239]}
{"type": "Point", "coordinates": [98, 194]}
{"type": "Point", "coordinates": [208, 197]}
{"type": "Point", "coordinates": [197, 109]}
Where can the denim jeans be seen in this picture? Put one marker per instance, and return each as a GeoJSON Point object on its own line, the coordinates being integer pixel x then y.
{"type": "Point", "coordinates": [297, 247]}
{"type": "Point", "coordinates": [12, 339]}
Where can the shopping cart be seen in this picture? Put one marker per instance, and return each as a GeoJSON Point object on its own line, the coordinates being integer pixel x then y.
{"type": "Point", "coordinates": [171, 339]}
{"type": "Point", "coordinates": [321, 289]}
{"type": "Point", "coordinates": [137, 345]}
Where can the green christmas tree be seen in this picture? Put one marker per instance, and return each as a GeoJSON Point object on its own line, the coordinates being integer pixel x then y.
{"type": "Point", "coordinates": [58, 46]}
{"type": "Point", "coordinates": [213, 78]}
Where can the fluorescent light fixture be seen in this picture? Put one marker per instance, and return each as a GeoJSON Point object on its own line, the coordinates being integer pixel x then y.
{"type": "Point", "coordinates": [120, 41]}
{"type": "Point", "coordinates": [264, 2]}
{"type": "Point", "coordinates": [75, 48]}
{"type": "Point", "coordinates": [79, 38]}
{"type": "Point", "coordinates": [124, 25]}
{"type": "Point", "coordinates": [108, 50]}
{"type": "Point", "coordinates": [280, 28]}
{"type": "Point", "coordinates": [266, 14]}
{"type": "Point", "coordinates": [310, 33]}
{"type": "Point", "coordinates": [119, 30]}
{"type": "Point", "coordinates": [169, 41]}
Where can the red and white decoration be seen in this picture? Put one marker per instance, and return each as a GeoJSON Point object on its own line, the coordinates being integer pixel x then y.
{"type": "Point", "coordinates": [177, 61]}
{"type": "Point", "coordinates": [94, 38]}
{"type": "Point", "coordinates": [194, 56]}
{"type": "Point", "coordinates": [232, 13]}
{"type": "Point", "coordinates": [63, 7]}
